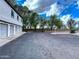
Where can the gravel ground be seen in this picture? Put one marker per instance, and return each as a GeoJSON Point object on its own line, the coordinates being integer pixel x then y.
{"type": "Point", "coordinates": [38, 45]}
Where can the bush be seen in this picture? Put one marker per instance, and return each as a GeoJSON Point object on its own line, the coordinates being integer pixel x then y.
{"type": "Point", "coordinates": [73, 29]}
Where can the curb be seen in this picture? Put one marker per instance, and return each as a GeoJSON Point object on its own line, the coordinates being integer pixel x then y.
{"type": "Point", "coordinates": [5, 41]}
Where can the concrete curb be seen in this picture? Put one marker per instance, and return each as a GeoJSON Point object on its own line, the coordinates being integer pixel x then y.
{"type": "Point", "coordinates": [76, 34]}
{"type": "Point", "coordinates": [60, 33]}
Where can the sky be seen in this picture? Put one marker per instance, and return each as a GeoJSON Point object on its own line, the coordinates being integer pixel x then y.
{"type": "Point", "coordinates": [65, 9]}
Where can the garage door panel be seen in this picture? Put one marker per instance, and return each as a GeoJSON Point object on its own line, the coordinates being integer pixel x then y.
{"type": "Point", "coordinates": [11, 30]}
{"type": "Point", "coordinates": [3, 30]}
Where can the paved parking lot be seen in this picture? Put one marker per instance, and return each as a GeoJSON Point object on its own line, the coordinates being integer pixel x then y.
{"type": "Point", "coordinates": [39, 45]}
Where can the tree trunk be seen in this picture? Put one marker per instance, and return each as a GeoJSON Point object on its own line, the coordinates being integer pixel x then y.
{"type": "Point", "coordinates": [35, 28]}
{"type": "Point", "coordinates": [51, 28]}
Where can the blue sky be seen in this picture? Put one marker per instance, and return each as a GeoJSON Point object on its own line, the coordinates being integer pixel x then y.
{"type": "Point", "coordinates": [20, 2]}
{"type": "Point", "coordinates": [65, 9]}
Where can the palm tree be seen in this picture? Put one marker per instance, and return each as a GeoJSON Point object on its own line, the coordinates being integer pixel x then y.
{"type": "Point", "coordinates": [53, 20]}
{"type": "Point", "coordinates": [58, 23]}
{"type": "Point", "coordinates": [35, 23]}
{"type": "Point", "coordinates": [42, 25]}
{"type": "Point", "coordinates": [49, 24]}
{"type": "Point", "coordinates": [33, 20]}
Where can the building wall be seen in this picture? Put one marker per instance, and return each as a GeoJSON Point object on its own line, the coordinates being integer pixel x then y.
{"type": "Point", "coordinates": [5, 14]}
{"type": "Point", "coordinates": [9, 30]}
{"type": "Point", "coordinates": [9, 26]}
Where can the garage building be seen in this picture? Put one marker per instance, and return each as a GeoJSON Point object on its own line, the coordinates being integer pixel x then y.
{"type": "Point", "coordinates": [9, 23]}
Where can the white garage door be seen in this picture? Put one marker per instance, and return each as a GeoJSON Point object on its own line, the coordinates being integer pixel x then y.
{"type": "Point", "coordinates": [11, 30]}
{"type": "Point", "coordinates": [3, 30]}
{"type": "Point", "coordinates": [17, 29]}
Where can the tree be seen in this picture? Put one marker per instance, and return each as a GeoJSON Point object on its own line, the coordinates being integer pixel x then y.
{"type": "Point", "coordinates": [25, 21]}
{"type": "Point", "coordinates": [49, 24]}
{"type": "Point", "coordinates": [58, 23]}
{"type": "Point", "coordinates": [53, 20]}
{"type": "Point", "coordinates": [33, 20]}
{"type": "Point", "coordinates": [22, 10]}
{"type": "Point", "coordinates": [43, 23]}
{"type": "Point", "coordinates": [71, 23]}
{"type": "Point", "coordinates": [35, 23]}
{"type": "Point", "coordinates": [12, 2]}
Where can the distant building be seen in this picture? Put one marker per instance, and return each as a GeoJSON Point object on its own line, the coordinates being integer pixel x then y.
{"type": "Point", "coordinates": [10, 20]}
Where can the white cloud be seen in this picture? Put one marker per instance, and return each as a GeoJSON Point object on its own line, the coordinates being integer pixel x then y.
{"type": "Point", "coordinates": [31, 4]}
{"type": "Point", "coordinates": [77, 4]}
{"type": "Point", "coordinates": [54, 9]}
{"type": "Point", "coordinates": [65, 18]}
{"type": "Point", "coordinates": [76, 19]}
{"type": "Point", "coordinates": [42, 13]}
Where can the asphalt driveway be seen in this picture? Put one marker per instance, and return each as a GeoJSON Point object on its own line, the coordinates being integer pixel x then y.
{"type": "Point", "coordinates": [39, 45]}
